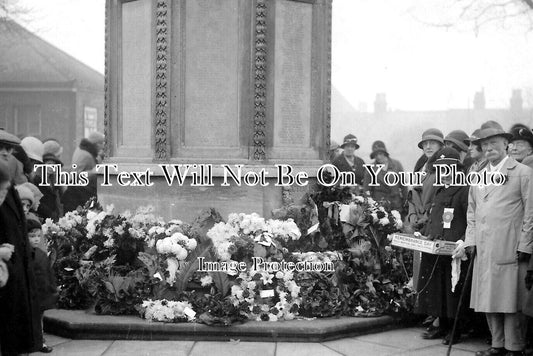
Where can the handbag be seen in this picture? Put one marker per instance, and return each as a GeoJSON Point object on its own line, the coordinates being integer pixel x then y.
{"type": "Point", "coordinates": [4, 274]}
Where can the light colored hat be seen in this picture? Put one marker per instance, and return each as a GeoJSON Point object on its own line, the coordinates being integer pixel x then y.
{"type": "Point", "coordinates": [37, 195]}
{"type": "Point", "coordinates": [25, 193]}
{"type": "Point", "coordinates": [33, 147]}
{"type": "Point", "coordinates": [51, 146]}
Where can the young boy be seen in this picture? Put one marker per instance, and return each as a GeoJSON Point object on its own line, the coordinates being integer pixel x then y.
{"type": "Point", "coordinates": [44, 276]}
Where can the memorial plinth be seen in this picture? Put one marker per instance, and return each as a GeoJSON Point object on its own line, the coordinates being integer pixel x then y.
{"type": "Point", "coordinates": [215, 82]}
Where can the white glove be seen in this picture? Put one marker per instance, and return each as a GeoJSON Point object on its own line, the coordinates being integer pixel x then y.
{"type": "Point", "coordinates": [459, 252]}
{"type": "Point", "coordinates": [6, 250]}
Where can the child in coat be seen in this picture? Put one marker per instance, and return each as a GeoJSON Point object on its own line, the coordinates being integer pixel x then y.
{"type": "Point", "coordinates": [44, 276]}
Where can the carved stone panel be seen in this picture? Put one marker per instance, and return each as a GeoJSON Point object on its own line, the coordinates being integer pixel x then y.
{"type": "Point", "coordinates": [292, 97]}
{"type": "Point", "coordinates": [136, 82]}
{"type": "Point", "coordinates": [212, 73]}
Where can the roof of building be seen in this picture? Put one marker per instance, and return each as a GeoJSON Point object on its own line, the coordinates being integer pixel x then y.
{"type": "Point", "coordinates": [28, 61]}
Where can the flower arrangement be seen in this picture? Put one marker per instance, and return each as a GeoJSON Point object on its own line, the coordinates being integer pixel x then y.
{"type": "Point", "coordinates": [167, 311]}
{"type": "Point", "coordinates": [137, 262]}
{"type": "Point", "coordinates": [269, 296]}
{"type": "Point", "coordinates": [247, 235]}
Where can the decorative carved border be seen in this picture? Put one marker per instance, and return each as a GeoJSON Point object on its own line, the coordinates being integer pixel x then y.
{"type": "Point", "coordinates": [162, 98]}
{"type": "Point", "coordinates": [260, 55]}
{"type": "Point", "coordinates": [107, 97]}
{"type": "Point", "coordinates": [328, 75]}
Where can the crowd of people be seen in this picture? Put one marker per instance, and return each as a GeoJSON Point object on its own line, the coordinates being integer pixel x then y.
{"type": "Point", "coordinates": [492, 226]}
{"type": "Point", "coordinates": [27, 282]}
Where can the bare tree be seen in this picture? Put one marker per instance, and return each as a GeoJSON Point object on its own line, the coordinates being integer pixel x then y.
{"type": "Point", "coordinates": [479, 13]}
{"type": "Point", "coordinates": [13, 9]}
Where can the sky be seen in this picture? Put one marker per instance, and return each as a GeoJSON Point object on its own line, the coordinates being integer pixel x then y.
{"type": "Point", "coordinates": [392, 47]}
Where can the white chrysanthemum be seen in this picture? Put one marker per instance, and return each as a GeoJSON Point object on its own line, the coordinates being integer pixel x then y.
{"type": "Point", "coordinates": [180, 252]}
{"type": "Point", "coordinates": [119, 229]}
{"type": "Point", "coordinates": [206, 280]}
{"type": "Point", "coordinates": [237, 292]}
{"type": "Point", "coordinates": [384, 221]}
{"type": "Point", "coordinates": [91, 215]}
{"type": "Point", "coordinates": [293, 288]}
{"type": "Point", "coordinates": [109, 242]}
{"type": "Point", "coordinates": [191, 244]}
{"type": "Point", "coordinates": [178, 236]}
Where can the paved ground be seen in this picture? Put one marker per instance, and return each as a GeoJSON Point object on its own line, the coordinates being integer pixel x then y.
{"type": "Point", "coordinates": [396, 342]}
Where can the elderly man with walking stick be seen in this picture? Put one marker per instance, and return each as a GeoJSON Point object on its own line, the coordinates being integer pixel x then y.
{"type": "Point", "coordinates": [500, 222]}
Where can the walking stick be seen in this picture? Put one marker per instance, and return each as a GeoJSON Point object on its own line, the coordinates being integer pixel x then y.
{"type": "Point", "coordinates": [468, 274]}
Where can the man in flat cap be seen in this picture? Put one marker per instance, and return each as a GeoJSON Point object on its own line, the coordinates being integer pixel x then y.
{"type": "Point", "coordinates": [500, 221]}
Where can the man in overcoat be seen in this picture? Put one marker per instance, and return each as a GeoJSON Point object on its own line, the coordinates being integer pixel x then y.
{"type": "Point", "coordinates": [500, 221]}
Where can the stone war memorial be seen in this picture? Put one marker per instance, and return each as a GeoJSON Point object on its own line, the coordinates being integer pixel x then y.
{"type": "Point", "coordinates": [211, 82]}
{"type": "Point", "coordinates": [205, 88]}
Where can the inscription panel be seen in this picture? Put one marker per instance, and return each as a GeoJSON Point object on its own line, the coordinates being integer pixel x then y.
{"type": "Point", "coordinates": [136, 63]}
{"type": "Point", "coordinates": [292, 97]}
{"type": "Point", "coordinates": [212, 73]}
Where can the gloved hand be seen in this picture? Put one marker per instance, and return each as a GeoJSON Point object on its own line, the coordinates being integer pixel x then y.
{"type": "Point", "coordinates": [6, 250]}
{"type": "Point", "coordinates": [459, 251]}
{"type": "Point", "coordinates": [529, 279]}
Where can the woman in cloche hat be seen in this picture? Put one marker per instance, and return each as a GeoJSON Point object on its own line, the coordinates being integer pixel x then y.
{"type": "Point", "coordinates": [348, 161]}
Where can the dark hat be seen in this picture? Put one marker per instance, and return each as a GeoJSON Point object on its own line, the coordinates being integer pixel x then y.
{"type": "Point", "coordinates": [431, 134]}
{"type": "Point", "coordinates": [522, 133]}
{"type": "Point", "coordinates": [448, 156]}
{"type": "Point", "coordinates": [491, 132]}
{"type": "Point", "coordinates": [350, 139]}
{"type": "Point", "coordinates": [8, 139]}
{"type": "Point", "coordinates": [473, 137]}
{"type": "Point", "coordinates": [33, 224]}
{"type": "Point", "coordinates": [458, 137]}
{"type": "Point", "coordinates": [378, 147]}
{"type": "Point", "coordinates": [51, 157]}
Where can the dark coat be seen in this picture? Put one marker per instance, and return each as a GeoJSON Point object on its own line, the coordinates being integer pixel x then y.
{"type": "Point", "coordinates": [528, 305]}
{"type": "Point", "coordinates": [342, 165]}
{"type": "Point", "coordinates": [76, 196]}
{"type": "Point", "coordinates": [50, 204]}
{"type": "Point", "coordinates": [434, 280]}
{"type": "Point", "coordinates": [45, 280]}
{"type": "Point", "coordinates": [20, 322]}
{"type": "Point", "coordinates": [395, 195]}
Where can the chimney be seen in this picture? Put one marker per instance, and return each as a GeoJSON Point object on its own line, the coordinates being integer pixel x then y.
{"type": "Point", "coordinates": [380, 104]}
{"type": "Point", "coordinates": [479, 100]}
{"type": "Point", "coordinates": [516, 101]}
